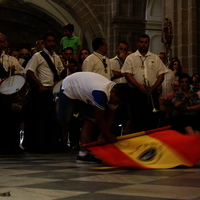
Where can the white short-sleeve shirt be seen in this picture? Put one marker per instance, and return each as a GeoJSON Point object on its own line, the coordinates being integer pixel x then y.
{"type": "Point", "coordinates": [94, 63]}
{"type": "Point", "coordinates": [89, 87]}
{"type": "Point", "coordinates": [41, 69]}
{"type": "Point", "coordinates": [10, 61]}
{"type": "Point", "coordinates": [149, 66]}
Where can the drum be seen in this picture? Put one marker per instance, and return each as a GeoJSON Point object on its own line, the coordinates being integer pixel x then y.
{"type": "Point", "coordinates": [56, 88]}
{"type": "Point", "coordinates": [17, 90]}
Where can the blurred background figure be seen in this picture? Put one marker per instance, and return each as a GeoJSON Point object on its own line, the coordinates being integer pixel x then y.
{"type": "Point", "coordinates": [169, 77]}
{"type": "Point", "coordinates": [176, 68]}
{"type": "Point", "coordinates": [40, 44]}
{"type": "Point", "coordinates": [195, 82]}
{"type": "Point", "coordinates": [15, 53]}
{"type": "Point", "coordinates": [24, 57]}
{"type": "Point", "coordinates": [129, 52]}
{"type": "Point", "coordinates": [175, 87]}
{"type": "Point", "coordinates": [84, 53]}
{"type": "Point", "coordinates": [185, 115]}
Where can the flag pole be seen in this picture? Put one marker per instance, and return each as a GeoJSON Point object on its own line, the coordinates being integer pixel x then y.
{"type": "Point", "coordinates": [124, 137]}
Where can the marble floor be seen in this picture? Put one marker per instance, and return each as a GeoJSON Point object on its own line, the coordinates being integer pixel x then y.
{"type": "Point", "coordinates": [58, 177]}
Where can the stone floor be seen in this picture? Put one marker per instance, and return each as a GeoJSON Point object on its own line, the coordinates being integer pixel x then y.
{"type": "Point", "coordinates": [58, 177]}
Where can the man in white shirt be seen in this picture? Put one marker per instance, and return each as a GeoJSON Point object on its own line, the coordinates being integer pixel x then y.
{"type": "Point", "coordinates": [43, 70]}
{"type": "Point", "coordinates": [9, 63]}
{"type": "Point", "coordinates": [118, 61]}
{"type": "Point", "coordinates": [10, 119]}
{"type": "Point", "coordinates": [144, 72]}
{"type": "Point", "coordinates": [96, 98]}
{"type": "Point", "coordinates": [97, 61]}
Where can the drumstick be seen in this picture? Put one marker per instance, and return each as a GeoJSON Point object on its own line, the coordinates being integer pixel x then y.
{"type": "Point", "coordinates": [10, 73]}
{"type": "Point", "coordinates": [68, 72]}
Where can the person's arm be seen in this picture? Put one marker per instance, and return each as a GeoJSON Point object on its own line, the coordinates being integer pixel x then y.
{"type": "Point", "coordinates": [182, 104]}
{"type": "Point", "coordinates": [30, 75]}
{"type": "Point", "coordinates": [117, 74]}
{"type": "Point", "coordinates": [195, 107]}
{"type": "Point", "coordinates": [157, 84]}
{"type": "Point", "coordinates": [132, 81]}
{"type": "Point", "coordinates": [105, 123]}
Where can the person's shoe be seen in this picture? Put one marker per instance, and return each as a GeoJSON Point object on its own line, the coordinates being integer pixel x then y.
{"type": "Point", "coordinates": [87, 159]}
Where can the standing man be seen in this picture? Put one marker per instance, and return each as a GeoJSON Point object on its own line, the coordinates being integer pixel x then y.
{"type": "Point", "coordinates": [118, 61]}
{"type": "Point", "coordinates": [8, 62]}
{"type": "Point", "coordinates": [43, 71]}
{"type": "Point", "coordinates": [116, 65]}
{"type": "Point", "coordinates": [9, 119]}
{"type": "Point", "coordinates": [98, 62]}
{"type": "Point", "coordinates": [144, 72]}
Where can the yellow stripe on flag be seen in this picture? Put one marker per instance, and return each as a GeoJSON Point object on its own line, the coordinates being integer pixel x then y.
{"type": "Point", "coordinates": [151, 153]}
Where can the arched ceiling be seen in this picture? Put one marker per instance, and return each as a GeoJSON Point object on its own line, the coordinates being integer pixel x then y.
{"type": "Point", "coordinates": [23, 21]}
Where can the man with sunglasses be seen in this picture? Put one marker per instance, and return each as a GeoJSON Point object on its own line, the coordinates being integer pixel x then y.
{"type": "Point", "coordinates": [97, 61]}
{"type": "Point", "coordinates": [43, 71]}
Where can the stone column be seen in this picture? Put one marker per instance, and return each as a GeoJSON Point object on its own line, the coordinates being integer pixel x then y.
{"type": "Point", "coordinates": [184, 15]}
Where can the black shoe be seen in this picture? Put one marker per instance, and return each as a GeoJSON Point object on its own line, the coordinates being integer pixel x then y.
{"type": "Point", "coordinates": [87, 159]}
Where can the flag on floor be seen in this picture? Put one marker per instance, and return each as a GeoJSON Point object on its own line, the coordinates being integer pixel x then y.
{"type": "Point", "coordinates": [158, 150]}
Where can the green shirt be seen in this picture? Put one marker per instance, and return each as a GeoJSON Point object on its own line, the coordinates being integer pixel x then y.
{"type": "Point", "coordinates": [73, 42]}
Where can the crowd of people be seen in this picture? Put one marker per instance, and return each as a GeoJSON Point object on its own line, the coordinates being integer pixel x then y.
{"type": "Point", "coordinates": [75, 96]}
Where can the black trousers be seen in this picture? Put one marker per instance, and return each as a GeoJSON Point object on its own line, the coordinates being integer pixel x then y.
{"type": "Point", "coordinates": [141, 111]}
{"type": "Point", "coordinates": [42, 130]}
{"type": "Point", "coordinates": [10, 121]}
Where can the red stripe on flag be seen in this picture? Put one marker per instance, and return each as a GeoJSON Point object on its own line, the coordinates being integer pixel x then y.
{"type": "Point", "coordinates": [178, 149]}
{"type": "Point", "coordinates": [188, 146]}
{"type": "Point", "coordinates": [111, 155]}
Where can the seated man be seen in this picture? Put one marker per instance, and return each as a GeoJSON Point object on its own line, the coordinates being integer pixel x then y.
{"type": "Point", "coordinates": [96, 98]}
{"type": "Point", "coordinates": [175, 87]}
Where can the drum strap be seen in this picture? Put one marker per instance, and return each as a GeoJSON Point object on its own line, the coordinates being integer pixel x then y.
{"type": "Point", "coordinates": [51, 65]}
{"type": "Point", "coordinates": [3, 73]}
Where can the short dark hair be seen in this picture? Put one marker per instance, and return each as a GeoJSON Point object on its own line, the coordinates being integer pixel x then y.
{"type": "Point", "coordinates": [69, 27]}
{"type": "Point", "coordinates": [123, 42]}
{"type": "Point", "coordinates": [96, 43]}
{"type": "Point", "coordinates": [122, 91]}
{"type": "Point", "coordinates": [47, 34]}
{"type": "Point", "coordinates": [68, 48]}
{"type": "Point", "coordinates": [184, 75]}
{"type": "Point", "coordinates": [143, 36]}
{"type": "Point", "coordinates": [163, 53]}
{"type": "Point", "coordinates": [14, 50]}
{"type": "Point", "coordinates": [73, 61]}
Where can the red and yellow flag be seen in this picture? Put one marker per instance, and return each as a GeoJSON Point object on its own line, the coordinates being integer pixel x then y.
{"type": "Point", "coordinates": [158, 150]}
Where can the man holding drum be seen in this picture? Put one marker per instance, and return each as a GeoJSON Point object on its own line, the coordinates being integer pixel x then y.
{"type": "Point", "coordinates": [10, 119]}
{"type": "Point", "coordinates": [9, 63]}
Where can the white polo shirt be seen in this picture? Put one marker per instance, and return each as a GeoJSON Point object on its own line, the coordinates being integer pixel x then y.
{"type": "Point", "coordinates": [94, 63]}
{"type": "Point", "coordinates": [149, 66]}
